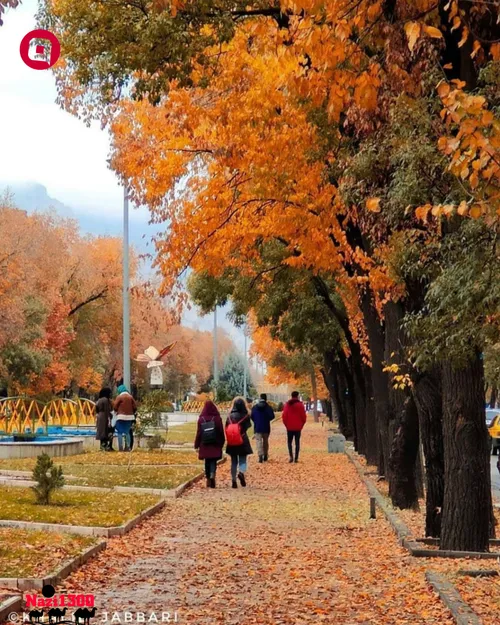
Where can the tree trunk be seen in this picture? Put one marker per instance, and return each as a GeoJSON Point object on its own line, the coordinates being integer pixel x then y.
{"type": "Point", "coordinates": [347, 396]}
{"type": "Point", "coordinates": [403, 459]}
{"type": "Point", "coordinates": [467, 507]}
{"type": "Point", "coordinates": [360, 417]}
{"type": "Point", "coordinates": [376, 342]}
{"type": "Point", "coordinates": [402, 418]}
{"type": "Point", "coordinates": [372, 440]}
{"type": "Point", "coordinates": [493, 397]}
{"type": "Point", "coordinates": [314, 388]}
{"type": "Point", "coordinates": [428, 399]}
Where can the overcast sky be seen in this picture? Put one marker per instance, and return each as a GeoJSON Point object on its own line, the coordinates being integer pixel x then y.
{"type": "Point", "coordinates": [44, 144]}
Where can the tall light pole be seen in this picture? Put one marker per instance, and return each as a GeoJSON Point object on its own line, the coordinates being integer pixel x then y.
{"type": "Point", "coordinates": [126, 294]}
{"type": "Point", "coordinates": [216, 356]}
{"type": "Point", "coordinates": [245, 364]}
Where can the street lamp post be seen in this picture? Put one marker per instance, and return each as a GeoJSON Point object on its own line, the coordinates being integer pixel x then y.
{"type": "Point", "coordinates": [126, 294]}
{"type": "Point", "coordinates": [216, 363]}
{"type": "Point", "coordinates": [245, 364]}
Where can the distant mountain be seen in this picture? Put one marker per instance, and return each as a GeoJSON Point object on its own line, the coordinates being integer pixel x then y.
{"type": "Point", "coordinates": [32, 196]}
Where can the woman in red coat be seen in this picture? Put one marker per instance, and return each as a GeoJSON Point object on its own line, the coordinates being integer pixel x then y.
{"type": "Point", "coordinates": [210, 440]}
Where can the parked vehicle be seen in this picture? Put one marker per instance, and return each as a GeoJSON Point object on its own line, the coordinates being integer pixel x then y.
{"type": "Point", "coordinates": [493, 425]}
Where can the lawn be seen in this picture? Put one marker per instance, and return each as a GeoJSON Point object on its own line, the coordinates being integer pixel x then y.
{"type": "Point", "coordinates": [137, 457]}
{"type": "Point", "coordinates": [180, 434]}
{"type": "Point", "coordinates": [147, 469]}
{"type": "Point", "coordinates": [73, 507]}
{"type": "Point", "coordinates": [28, 553]}
{"type": "Point", "coordinates": [151, 476]}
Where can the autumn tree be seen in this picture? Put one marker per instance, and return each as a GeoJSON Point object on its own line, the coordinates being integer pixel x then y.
{"type": "Point", "coordinates": [255, 120]}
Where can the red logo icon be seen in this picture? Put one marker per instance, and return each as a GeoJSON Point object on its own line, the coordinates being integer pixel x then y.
{"type": "Point", "coordinates": [55, 49]}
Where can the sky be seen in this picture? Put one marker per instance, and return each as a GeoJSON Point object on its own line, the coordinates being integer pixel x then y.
{"type": "Point", "coordinates": [44, 144]}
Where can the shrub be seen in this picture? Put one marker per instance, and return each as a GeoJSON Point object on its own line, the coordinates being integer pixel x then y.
{"type": "Point", "coordinates": [281, 405]}
{"type": "Point", "coordinates": [155, 442]}
{"type": "Point", "coordinates": [273, 405]}
{"type": "Point", "coordinates": [167, 407]}
{"type": "Point", "coordinates": [47, 477]}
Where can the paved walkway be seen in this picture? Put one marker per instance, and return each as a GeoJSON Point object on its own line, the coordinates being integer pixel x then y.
{"type": "Point", "coordinates": [294, 547]}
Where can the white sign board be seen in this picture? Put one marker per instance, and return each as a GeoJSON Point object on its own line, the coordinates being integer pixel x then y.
{"type": "Point", "coordinates": [156, 376]}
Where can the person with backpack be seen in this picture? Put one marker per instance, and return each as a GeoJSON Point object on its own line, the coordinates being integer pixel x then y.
{"type": "Point", "coordinates": [262, 415]}
{"type": "Point", "coordinates": [238, 444]}
{"type": "Point", "coordinates": [210, 440]}
{"type": "Point", "coordinates": [294, 419]}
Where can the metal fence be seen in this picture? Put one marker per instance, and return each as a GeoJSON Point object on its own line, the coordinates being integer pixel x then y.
{"type": "Point", "coordinates": [19, 414]}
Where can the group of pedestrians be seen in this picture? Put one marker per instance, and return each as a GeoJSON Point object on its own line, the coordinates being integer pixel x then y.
{"type": "Point", "coordinates": [115, 417]}
{"type": "Point", "coordinates": [211, 435]}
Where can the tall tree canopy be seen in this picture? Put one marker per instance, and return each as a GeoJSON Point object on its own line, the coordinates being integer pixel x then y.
{"type": "Point", "coordinates": [362, 138]}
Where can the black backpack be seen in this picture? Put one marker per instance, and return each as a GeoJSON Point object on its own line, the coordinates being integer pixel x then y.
{"type": "Point", "coordinates": [208, 433]}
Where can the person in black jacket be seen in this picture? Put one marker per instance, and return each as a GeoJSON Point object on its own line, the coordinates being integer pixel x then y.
{"type": "Point", "coordinates": [262, 415]}
{"type": "Point", "coordinates": [239, 415]}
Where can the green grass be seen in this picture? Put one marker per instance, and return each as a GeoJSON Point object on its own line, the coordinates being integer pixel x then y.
{"type": "Point", "coordinates": [184, 433]}
{"type": "Point", "coordinates": [73, 507]}
{"type": "Point", "coordinates": [140, 477]}
{"type": "Point", "coordinates": [137, 457]}
{"type": "Point", "coordinates": [148, 469]}
{"type": "Point", "coordinates": [28, 553]}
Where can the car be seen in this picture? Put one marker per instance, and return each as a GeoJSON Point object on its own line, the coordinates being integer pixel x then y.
{"type": "Point", "coordinates": [493, 425]}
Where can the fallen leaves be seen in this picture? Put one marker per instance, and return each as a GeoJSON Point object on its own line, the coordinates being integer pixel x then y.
{"type": "Point", "coordinates": [27, 553]}
{"type": "Point", "coordinates": [296, 546]}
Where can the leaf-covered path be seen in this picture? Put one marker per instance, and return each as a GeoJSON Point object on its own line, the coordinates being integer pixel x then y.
{"type": "Point", "coordinates": [296, 546]}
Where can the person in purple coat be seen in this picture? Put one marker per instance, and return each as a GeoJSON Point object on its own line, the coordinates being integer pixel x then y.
{"type": "Point", "coordinates": [210, 440]}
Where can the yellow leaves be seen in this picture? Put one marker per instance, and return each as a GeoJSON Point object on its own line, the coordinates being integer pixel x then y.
{"type": "Point", "coordinates": [443, 89]}
{"type": "Point", "coordinates": [365, 94]}
{"type": "Point", "coordinates": [374, 11]}
{"type": "Point", "coordinates": [475, 48]}
{"type": "Point", "coordinates": [373, 204]}
{"type": "Point", "coordinates": [476, 211]}
{"type": "Point", "coordinates": [463, 208]}
{"type": "Point", "coordinates": [422, 212]}
{"type": "Point", "coordinates": [433, 32]}
{"type": "Point", "coordinates": [412, 30]}
{"type": "Point", "coordinates": [465, 36]}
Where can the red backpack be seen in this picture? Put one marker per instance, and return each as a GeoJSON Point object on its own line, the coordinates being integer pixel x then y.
{"type": "Point", "coordinates": [233, 433]}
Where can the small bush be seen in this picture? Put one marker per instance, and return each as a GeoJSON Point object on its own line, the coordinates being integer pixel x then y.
{"type": "Point", "coordinates": [281, 405]}
{"type": "Point", "coordinates": [155, 442]}
{"type": "Point", "coordinates": [48, 478]}
{"type": "Point", "coordinates": [167, 407]}
{"type": "Point", "coordinates": [273, 405]}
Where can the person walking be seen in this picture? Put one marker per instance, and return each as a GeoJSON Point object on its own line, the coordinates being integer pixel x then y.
{"type": "Point", "coordinates": [262, 415]}
{"type": "Point", "coordinates": [238, 444]}
{"type": "Point", "coordinates": [294, 419]}
{"type": "Point", "coordinates": [125, 409]}
{"type": "Point", "coordinates": [210, 440]}
{"type": "Point", "coordinates": [103, 410]}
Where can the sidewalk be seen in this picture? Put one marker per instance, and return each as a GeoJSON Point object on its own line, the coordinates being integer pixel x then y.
{"type": "Point", "coordinates": [296, 546]}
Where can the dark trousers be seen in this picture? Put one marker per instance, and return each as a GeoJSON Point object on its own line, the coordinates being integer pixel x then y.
{"type": "Point", "coordinates": [290, 436]}
{"type": "Point", "coordinates": [210, 467]}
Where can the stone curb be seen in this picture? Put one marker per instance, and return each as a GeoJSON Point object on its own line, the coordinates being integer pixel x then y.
{"type": "Point", "coordinates": [403, 532]}
{"type": "Point", "coordinates": [83, 530]}
{"type": "Point", "coordinates": [13, 604]}
{"type": "Point", "coordinates": [449, 595]}
{"type": "Point", "coordinates": [58, 575]}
